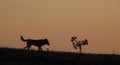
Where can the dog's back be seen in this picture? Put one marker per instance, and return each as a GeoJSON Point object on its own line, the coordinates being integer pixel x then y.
{"type": "Point", "coordinates": [38, 42]}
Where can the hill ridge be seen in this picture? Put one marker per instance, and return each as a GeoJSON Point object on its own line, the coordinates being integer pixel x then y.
{"type": "Point", "coordinates": [12, 55]}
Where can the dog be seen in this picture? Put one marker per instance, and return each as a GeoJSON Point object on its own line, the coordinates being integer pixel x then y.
{"type": "Point", "coordinates": [38, 43]}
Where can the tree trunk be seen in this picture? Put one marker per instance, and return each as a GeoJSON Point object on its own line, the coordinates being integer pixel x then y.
{"type": "Point", "coordinates": [80, 47]}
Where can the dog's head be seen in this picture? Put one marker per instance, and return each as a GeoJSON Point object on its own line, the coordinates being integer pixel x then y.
{"type": "Point", "coordinates": [47, 42]}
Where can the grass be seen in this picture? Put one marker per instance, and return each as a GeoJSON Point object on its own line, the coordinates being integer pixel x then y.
{"type": "Point", "coordinates": [11, 56]}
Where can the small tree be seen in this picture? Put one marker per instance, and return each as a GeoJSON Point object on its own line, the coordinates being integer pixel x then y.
{"type": "Point", "coordinates": [78, 44]}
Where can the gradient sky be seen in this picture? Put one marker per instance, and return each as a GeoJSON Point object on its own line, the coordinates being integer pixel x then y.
{"type": "Point", "coordinates": [59, 20]}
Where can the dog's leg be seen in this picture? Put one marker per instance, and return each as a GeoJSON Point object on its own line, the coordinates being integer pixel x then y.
{"type": "Point", "coordinates": [39, 47]}
{"type": "Point", "coordinates": [28, 46]}
{"type": "Point", "coordinates": [25, 47]}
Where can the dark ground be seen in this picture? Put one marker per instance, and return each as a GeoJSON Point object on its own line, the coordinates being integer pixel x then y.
{"type": "Point", "coordinates": [10, 56]}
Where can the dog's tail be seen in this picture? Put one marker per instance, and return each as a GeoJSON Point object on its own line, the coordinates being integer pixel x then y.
{"type": "Point", "coordinates": [23, 39]}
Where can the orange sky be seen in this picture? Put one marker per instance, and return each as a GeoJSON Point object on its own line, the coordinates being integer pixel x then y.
{"type": "Point", "coordinates": [58, 20]}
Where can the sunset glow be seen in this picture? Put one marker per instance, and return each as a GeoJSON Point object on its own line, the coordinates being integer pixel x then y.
{"type": "Point", "coordinates": [59, 20]}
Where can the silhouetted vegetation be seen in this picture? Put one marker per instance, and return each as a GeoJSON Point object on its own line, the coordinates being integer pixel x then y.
{"type": "Point", "coordinates": [11, 56]}
{"type": "Point", "coordinates": [78, 44]}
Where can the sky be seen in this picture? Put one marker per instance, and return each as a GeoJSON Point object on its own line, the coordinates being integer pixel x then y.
{"type": "Point", "coordinates": [59, 20]}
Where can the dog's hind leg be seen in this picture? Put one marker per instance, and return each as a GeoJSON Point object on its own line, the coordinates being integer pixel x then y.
{"type": "Point", "coordinates": [25, 47]}
{"type": "Point", "coordinates": [40, 49]}
{"type": "Point", "coordinates": [28, 47]}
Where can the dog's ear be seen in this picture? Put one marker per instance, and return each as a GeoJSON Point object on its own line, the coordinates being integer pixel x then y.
{"type": "Point", "coordinates": [46, 39]}
{"type": "Point", "coordinates": [21, 36]}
